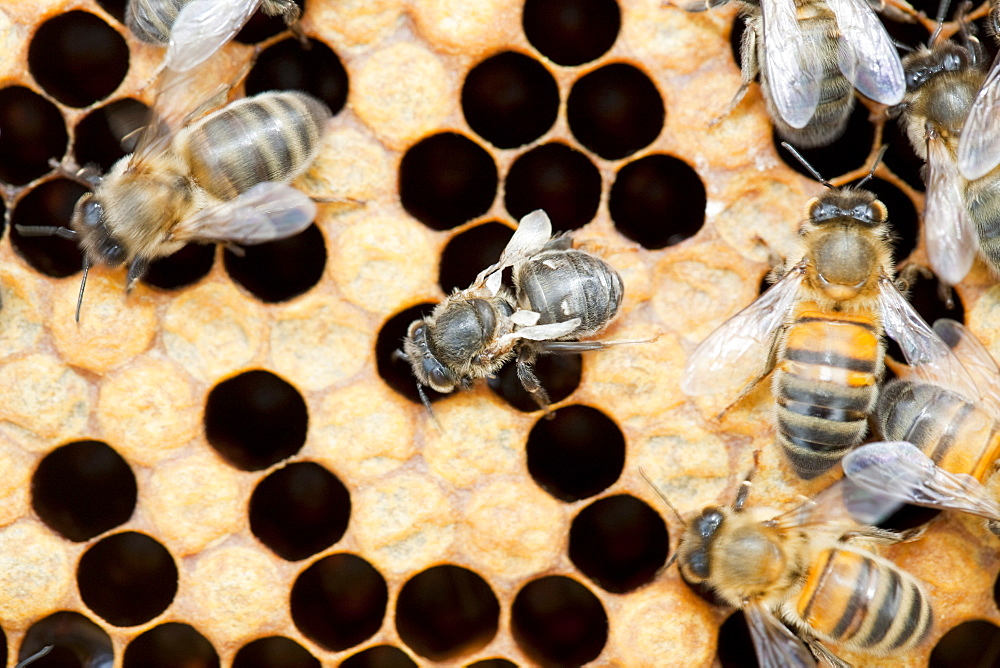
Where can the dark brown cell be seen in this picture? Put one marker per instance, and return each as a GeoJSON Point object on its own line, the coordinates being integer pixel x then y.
{"type": "Point", "coordinates": [182, 269]}
{"type": "Point", "coordinates": [736, 648]}
{"type": "Point", "coordinates": [281, 270]}
{"type": "Point", "coordinates": [168, 646]}
{"type": "Point", "coordinates": [557, 621]}
{"type": "Point", "coordinates": [571, 32]}
{"type": "Point", "coordinates": [469, 253]}
{"type": "Point", "coordinates": [48, 204]}
{"type": "Point", "coordinates": [847, 153]}
{"type": "Point", "coordinates": [973, 643]}
{"type": "Point", "coordinates": [397, 373]}
{"type": "Point", "coordinates": [557, 178]}
{"type": "Point", "coordinates": [379, 656]}
{"type": "Point", "coordinates": [261, 26]}
{"type": "Point", "coordinates": [287, 65]}
{"type": "Point", "coordinates": [32, 132]}
{"type": "Point", "coordinates": [274, 652]}
{"type": "Point", "coordinates": [75, 641]}
{"type": "Point", "coordinates": [99, 136]}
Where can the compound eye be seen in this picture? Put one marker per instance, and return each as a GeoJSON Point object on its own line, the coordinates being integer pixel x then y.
{"type": "Point", "coordinates": [439, 378]}
{"type": "Point", "coordinates": [862, 213]}
{"type": "Point", "coordinates": [91, 212]}
{"type": "Point", "coordinates": [114, 254]}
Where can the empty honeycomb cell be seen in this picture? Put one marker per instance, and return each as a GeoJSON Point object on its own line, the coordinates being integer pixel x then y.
{"type": "Point", "coordinates": [279, 270]}
{"type": "Point", "coordinates": [168, 646]}
{"type": "Point", "coordinates": [185, 267]}
{"type": "Point", "coordinates": [908, 517]}
{"type": "Point", "coordinates": [657, 201]}
{"type": "Point", "coordinates": [32, 132]}
{"type": "Point", "coordinates": [847, 153]}
{"type": "Point", "coordinates": [75, 641]}
{"type": "Point", "coordinates": [577, 453]}
{"type": "Point", "coordinates": [557, 178]}
{"type": "Point", "coordinates": [83, 489]}
{"type": "Point", "coordinates": [299, 510]}
{"type": "Point", "coordinates": [99, 136]}
{"type": "Point", "coordinates": [255, 420]}
{"type": "Point", "coordinates": [274, 652]}
{"type": "Point", "coordinates": [50, 203]}
{"type": "Point", "coordinates": [615, 110]}
{"type": "Point", "coordinates": [379, 656]}
{"type": "Point", "coordinates": [447, 179]}
{"type": "Point", "coordinates": [127, 578]}
{"type": "Point", "coordinates": [261, 26]}
{"type": "Point", "coordinates": [972, 643]}
{"type": "Point", "coordinates": [559, 374]}
{"type": "Point", "coordinates": [736, 648]}
{"type": "Point", "coordinates": [619, 542]}
{"type": "Point", "coordinates": [78, 58]}
{"type": "Point", "coordinates": [446, 611]}
{"type": "Point", "coordinates": [492, 663]}
{"type": "Point", "coordinates": [287, 65]}
{"type": "Point", "coordinates": [555, 620]}
{"type": "Point", "coordinates": [902, 217]}
{"type": "Point", "coordinates": [396, 372]}
{"type": "Point", "coordinates": [510, 99]}
{"type": "Point", "coordinates": [571, 32]}
{"type": "Point", "coordinates": [469, 253]}
{"type": "Point", "coordinates": [339, 601]}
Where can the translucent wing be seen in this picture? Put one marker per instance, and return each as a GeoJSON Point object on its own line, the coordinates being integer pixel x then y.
{"type": "Point", "coordinates": [267, 212]}
{"type": "Point", "coordinates": [843, 506]}
{"type": "Point", "coordinates": [546, 332]}
{"type": "Point", "coordinates": [793, 63]}
{"type": "Point", "coordinates": [866, 54]}
{"type": "Point", "coordinates": [951, 237]}
{"type": "Point", "coordinates": [900, 469]}
{"type": "Point", "coordinates": [974, 357]}
{"type": "Point", "coordinates": [533, 232]}
{"type": "Point", "coordinates": [929, 357]}
{"type": "Point", "coordinates": [979, 145]}
{"type": "Point", "coordinates": [736, 353]}
{"type": "Point", "coordinates": [203, 27]}
{"type": "Point", "coordinates": [776, 646]}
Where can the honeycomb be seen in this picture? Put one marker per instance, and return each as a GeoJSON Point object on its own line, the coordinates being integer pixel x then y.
{"type": "Point", "coordinates": [227, 466]}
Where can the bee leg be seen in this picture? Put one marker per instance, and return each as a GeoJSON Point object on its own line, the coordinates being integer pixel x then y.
{"type": "Point", "coordinates": [529, 381]}
{"type": "Point", "coordinates": [136, 270]}
{"type": "Point", "coordinates": [823, 654]}
{"type": "Point", "coordinates": [749, 70]}
{"type": "Point", "coordinates": [743, 493]}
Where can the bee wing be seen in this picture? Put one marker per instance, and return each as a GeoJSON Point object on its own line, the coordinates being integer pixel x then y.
{"type": "Point", "coordinates": [929, 357]}
{"type": "Point", "coordinates": [979, 145]}
{"type": "Point", "coordinates": [776, 646]}
{"type": "Point", "coordinates": [951, 237]}
{"type": "Point", "coordinates": [974, 357]}
{"type": "Point", "coordinates": [901, 470]}
{"type": "Point", "coordinates": [736, 353]}
{"type": "Point", "coordinates": [267, 212]}
{"type": "Point", "coordinates": [203, 27]}
{"type": "Point", "coordinates": [547, 332]}
{"type": "Point", "coordinates": [793, 63]}
{"type": "Point", "coordinates": [866, 54]}
{"type": "Point", "coordinates": [843, 506]}
{"type": "Point", "coordinates": [530, 237]}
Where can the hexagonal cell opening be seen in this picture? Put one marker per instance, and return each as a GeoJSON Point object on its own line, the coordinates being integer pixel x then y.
{"type": "Point", "coordinates": [98, 138]}
{"type": "Point", "coordinates": [846, 153]}
{"type": "Point", "coordinates": [571, 32]}
{"type": "Point", "coordinates": [281, 270]}
{"type": "Point", "coordinates": [48, 204]}
{"type": "Point", "coordinates": [556, 178]}
{"type": "Point", "coordinates": [493, 663]}
{"type": "Point", "coordinates": [379, 656]}
{"type": "Point", "coordinates": [469, 253]}
{"type": "Point", "coordinates": [75, 641]}
{"type": "Point", "coordinates": [396, 372]}
{"type": "Point", "coordinates": [559, 375]}
{"type": "Point", "coordinates": [262, 26]}
{"type": "Point", "coordinates": [556, 620]}
{"type": "Point", "coordinates": [287, 65]}
{"type": "Point", "coordinates": [972, 643]}
{"type": "Point", "coordinates": [735, 647]}
{"type": "Point", "coordinates": [32, 132]}
{"type": "Point", "coordinates": [274, 652]}
{"type": "Point", "coordinates": [182, 269]}
{"type": "Point", "coordinates": [168, 646]}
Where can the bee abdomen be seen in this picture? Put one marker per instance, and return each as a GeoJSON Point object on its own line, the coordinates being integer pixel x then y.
{"type": "Point", "coordinates": [151, 20]}
{"type": "Point", "coordinates": [273, 136]}
{"type": "Point", "coordinates": [984, 209]}
{"type": "Point", "coordinates": [863, 602]}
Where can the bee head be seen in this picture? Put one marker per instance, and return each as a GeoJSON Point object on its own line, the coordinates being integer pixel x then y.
{"type": "Point", "coordinates": [847, 205]}
{"type": "Point", "coordinates": [95, 239]}
{"type": "Point", "coordinates": [427, 368]}
{"type": "Point", "coordinates": [923, 65]}
{"type": "Point", "coordinates": [695, 550]}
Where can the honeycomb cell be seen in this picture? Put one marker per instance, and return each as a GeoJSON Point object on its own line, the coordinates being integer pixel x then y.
{"type": "Point", "coordinates": [559, 374]}
{"type": "Point", "coordinates": [555, 620]}
{"type": "Point", "coordinates": [127, 578]}
{"type": "Point", "coordinates": [339, 601]}
{"type": "Point", "coordinates": [446, 611]}
{"type": "Point", "coordinates": [75, 641]}
{"type": "Point", "coordinates": [557, 178]}
{"type": "Point", "coordinates": [82, 489]}
{"type": "Point", "coordinates": [902, 217]}
{"type": "Point", "coordinates": [396, 372]}
{"type": "Point", "coordinates": [255, 420]}
{"type": "Point", "coordinates": [736, 648]}
{"type": "Point", "coordinates": [492, 663]}
{"type": "Point", "coordinates": [847, 153]}
{"type": "Point", "coordinates": [279, 270]}
{"type": "Point", "coordinates": [908, 517]}
{"type": "Point", "coordinates": [510, 99]}
{"type": "Point", "coordinates": [571, 32]}
{"type": "Point", "coordinates": [287, 65]}
{"type": "Point", "coordinates": [615, 110]}
{"type": "Point", "coordinates": [98, 138]}
{"type": "Point", "coordinates": [379, 656]}
{"type": "Point", "coordinates": [78, 58]}
{"type": "Point", "coordinates": [471, 252]}
{"type": "Point", "coordinates": [274, 652]}
{"type": "Point", "coordinates": [657, 201]}
{"type": "Point", "coordinates": [972, 643]}
{"type": "Point", "coordinates": [114, 7]}
{"type": "Point", "coordinates": [185, 267]}
{"type": "Point", "coordinates": [446, 180]}
{"type": "Point", "coordinates": [168, 646]}
{"type": "Point", "coordinates": [576, 454]}
{"type": "Point", "coordinates": [32, 132]}
{"type": "Point", "coordinates": [299, 510]}
{"type": "Point", "coordinates": [48, 204]}
{"type": "Point", "coordinates": [619, 542]}
{"type": "Point", "coordinates": [261, 26]}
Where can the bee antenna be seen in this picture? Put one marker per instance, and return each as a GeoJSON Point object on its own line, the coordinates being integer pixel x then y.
{"type": "Point", "coordinates": [878, 161]}
{"type": "Point", "coordinates": [663, 496]}
{"type": "Point", "coordinates": [83, 284]}
{"type": "Point", "coordinates": [901, 45]}
{"type": "Point", "coordinates": [427, 404]}
{"type": "Point", "coordinates": [805, 163]}
{"type": "Point", "coordinates": [942, 11]}
{"type": "Point", "coordinates": [34, 657]}
{"type": "Point", "coordinates": [46, 231]}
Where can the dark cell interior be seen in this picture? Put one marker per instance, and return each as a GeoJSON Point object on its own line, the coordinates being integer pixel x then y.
{"type": "Point", "coordinates": [99, 136]}
{"type": "Point", "coordinates": [615, 110]}
{"type": "Point", "coordinates": [510, 99]}
{"type": "Point", "coordinates": [32, 132]}
{"type": "Point", "coordinates": [299, 510]}
{"type": "Point", "coordinates": [908, 517]}
{"type": "Point", "coordinates": [735, 648]}
{"type": "Point", "coordinates": [379, 656]}
{"type": "Point", "coordinates": [492, 663]}
{"type": "Point", "coordinates": [288, 65]}
{"type": "Point", "coordinates": [557, 178]}
{"type": "Point", "coordinates": [473, 612]}
{"type": "Point", "coordinates": [168, 646]}
{"type": "Point", "coordinates": [657, 201]}
{"type": "Point", "coordinates": [48, 204]}
{"type": "Point", "coordinates": [82, 489]}
{"type": "Point", "coordinates": [114, 7]}
{"type": "Point", "coordinates": [576, 454]}
{"type": "Point", "coordinates": [571, 32]}
{"type": "Point", "coordinates": [78, 58]}
{"type": "Point", "coordinates": [75, 640]}
{"type": "Point", "coordinates": [555, 620]}
{"type": "Point", "coordinates": [446, 180]}
{"type": "Point", "coordinates": [339, 601]}
{"type": "Point", "coordinates": [182, 269]}
{"type": "Point", "coordinates": [127, 578]}
{"type": "Point", "coordinates": [397, 373]}
{"type": "Point", "coordinates": [279, 270]}
{"type": "Point", "coordinates": [471, 252]}
{"type": "Point", "coordinates": [619, 542]}
{"type": "Point", "coordinates": [261, 26]}
{"type": "Point", "coordinates": [255, 420]}
{"type": "Point", "coordinates": [900, 158]}
{"type": "Point", "coordinates": [848, 152]}
{"type": "Point", "coordinates": [559, 375]}
{"type": "Point", "coordinates": [274, 652]}
{"type": "Point", "coordinates": [973, 644]}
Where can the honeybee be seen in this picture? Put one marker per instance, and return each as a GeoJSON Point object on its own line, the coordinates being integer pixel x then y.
{"type": "Point", "coordinates": [808, 567]}
{"type": "Point", "coordinates": [820, 328]}
{"type": "Point", "coordinates": [810, 55]}
{"type": "Point", "coordinates": [560, 294]}
{"type": "Point", "coordinates": [951, 114]}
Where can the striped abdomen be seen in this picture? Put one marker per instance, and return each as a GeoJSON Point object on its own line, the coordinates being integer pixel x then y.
{"type": "Point", "coordinates": [959, 436]}
{"type": "Point", "coordinates": [151, 20]}
{"type": "Point", "coordinates": [983, 201]}
{"type": "Point", "coordinates": [273, 136]}
{"type": "Point", "coordinates": [825, 385]}
{"type": "Point", "coordinates": [863, 602]}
